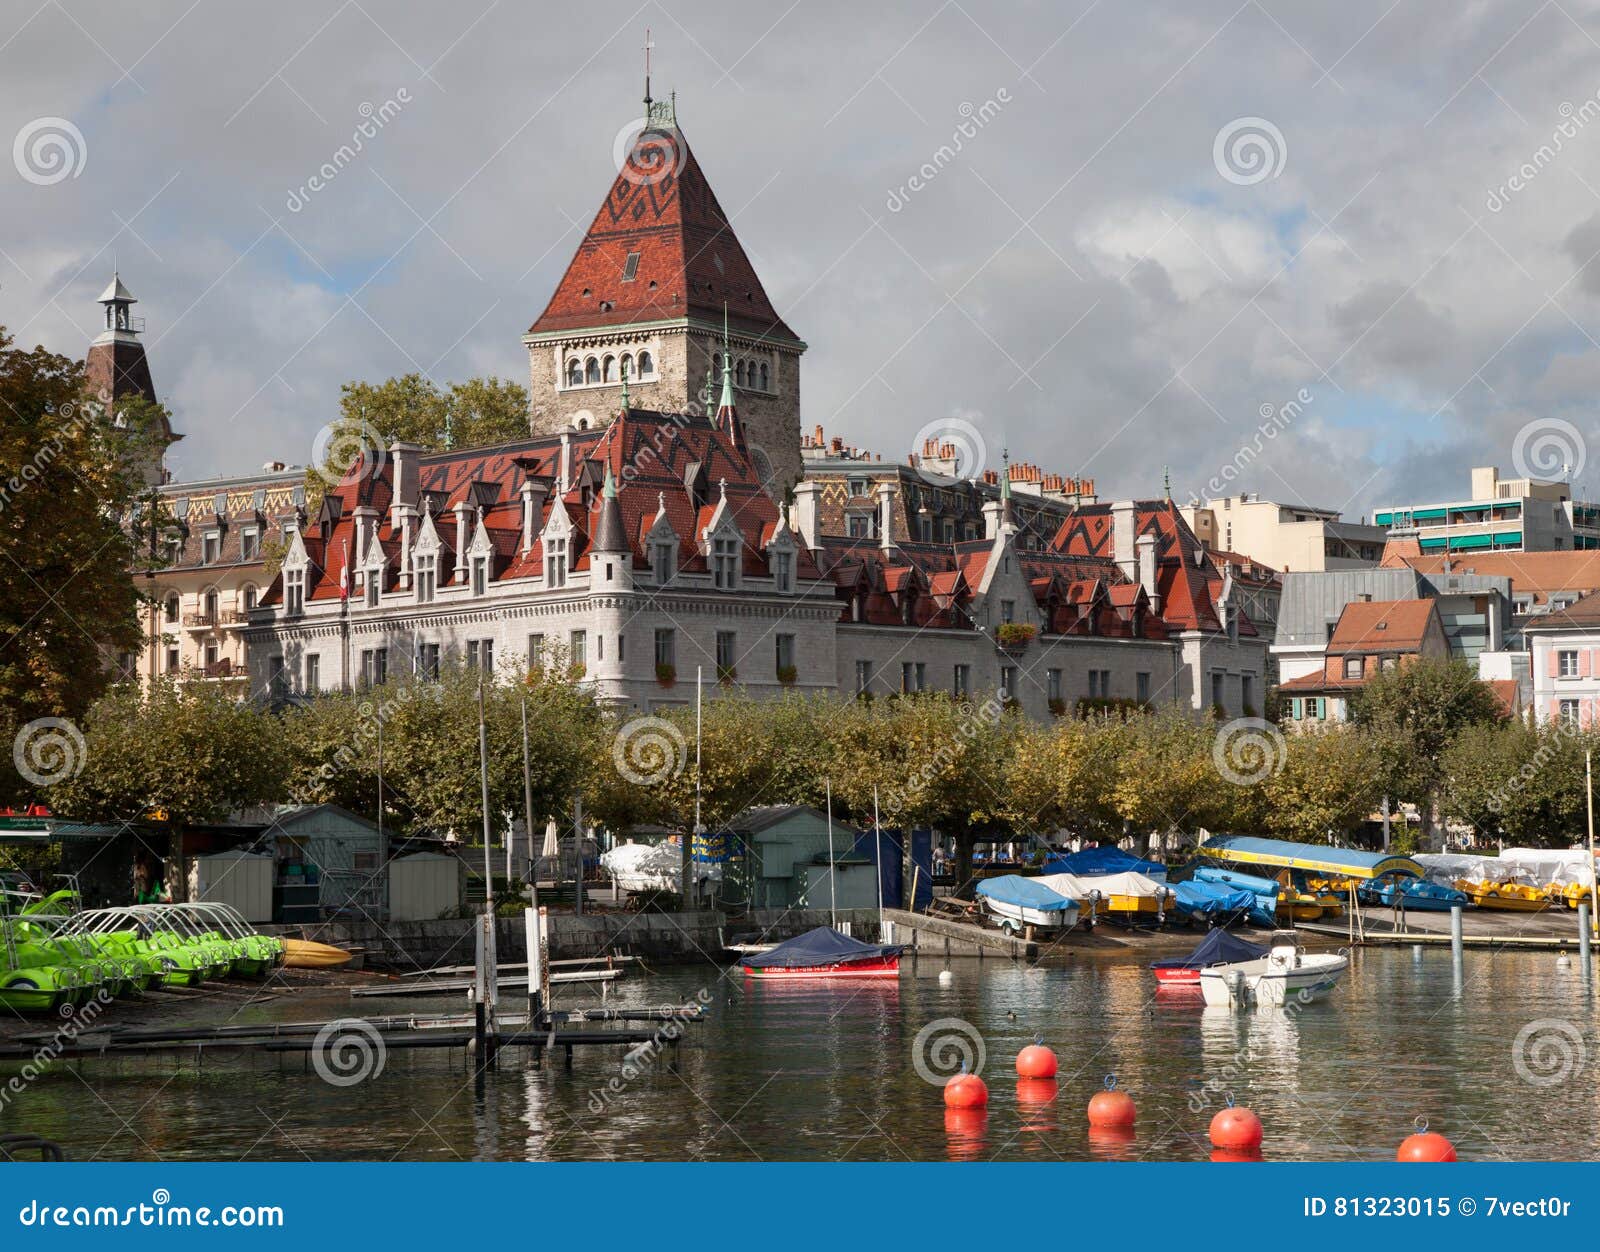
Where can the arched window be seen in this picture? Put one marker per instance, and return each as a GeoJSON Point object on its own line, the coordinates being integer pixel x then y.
{"type": "Point", "coordinates": [211, 603]}
{"type": "Point", "coordinates": [248, 598]}
{"type": "Point", "coordinates": [764, 377]}
{"type": "Point", "coordinates": [627, 366]}
{"type": "Point", "coordinates": [591, 371]}
{"type": "Point", "coordinates": [170, 607]}
{"type": "Point", "coordinates": [716, 365]}
{"type": "Point", "coordinates": [647, 365]}
{"type": "Point", "coordinates": [738, 374]}
{"type": "Point", "coordinates": [611, 369]}
{"type": "Point", "coordinates": [574, 372]}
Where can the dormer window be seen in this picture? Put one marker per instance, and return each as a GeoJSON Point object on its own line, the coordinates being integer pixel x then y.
{"type": "Point", "coordinates": [783, 572]}
{"type": "Point", "coordinates": [663, 561]}
{"type": "Point", "coordinates": [374, 587]}
{"type": "Point", "coordinates": [725, 562]}
{"type": "Point", "coordinates": [555, 562]}
{"type": "Point", "coordinates": [630, 267]}
{"type": "Point", "coordinates": [294, 592]}
{"type": "Point", "coordinates": [480, 575]}
{"type": "Point", "coordinates": [426, 571]}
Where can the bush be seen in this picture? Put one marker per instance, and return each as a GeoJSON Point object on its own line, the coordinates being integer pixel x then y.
{"type": "Point", "coordinates": [666, 674]}
{"type": "Point", "coordinates": [1015, 634]}
{"type": "Point", "coordinates": [787, 674]}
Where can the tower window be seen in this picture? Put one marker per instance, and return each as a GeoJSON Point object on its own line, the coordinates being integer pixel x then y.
{"type": "Point", "coordinates": [610, 369]}
{"type": "Point", "coordinates": [591, 371]}
{"type": "Point", "coordinates": [574, 373]}
{"type": "Point", "coordinates": [738, 374]}
{"type": "Point", "coordinates": [627, 365]}
{"type": "Point", "coordinates": [763, 378]}
{"type": "Point", "coordinates": [647, 365]}
{"type": "Point", "coordinates": [630, 267]}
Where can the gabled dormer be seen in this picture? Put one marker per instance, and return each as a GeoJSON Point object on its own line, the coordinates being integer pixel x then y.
{"type": "Point", "coordinates": [556, 541]}
{"type": "Point", "coordinates": [722, 544]}
{"type": "Point", "coordinates": [782, 557]}
{"type": "Point", "coordinates": [374, 565]}
{"type": "Point", "coordinates": [425, 560]}
{"type": "Point", "coordinates": [662, 545]}
{"type": "Point", "coordinates": [480, 560]}
{"type": "Point", "coordinates": [296, 576]}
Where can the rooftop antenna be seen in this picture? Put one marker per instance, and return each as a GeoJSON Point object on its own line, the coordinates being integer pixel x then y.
{"type": "Point", "coordinates": [647, 46]}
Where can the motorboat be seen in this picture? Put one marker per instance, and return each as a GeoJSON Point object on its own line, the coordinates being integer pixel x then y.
{"type": "Point", "coordinates": [643, 868]}
{"type": "Point", "coordinates": [1410, 894]}
{"type": "Point", "coordinates": [1285, 973]}
{"type": "Point", "coordinates": [1264, 912]}
{"type": "Point", "coordinates": [1126, 895]}
{"type": "Point", "coordinates": [1217, 948]}
{"type": "Point", "coordinates": [825, 953]}
{"type": "Point", "coordinates": [1214, 903]}
{"type": "Point", "coordinates": [1042, 903]}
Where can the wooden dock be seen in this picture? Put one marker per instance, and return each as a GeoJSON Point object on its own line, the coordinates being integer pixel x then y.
{"type": "Point", "coordinates": [455, 986]}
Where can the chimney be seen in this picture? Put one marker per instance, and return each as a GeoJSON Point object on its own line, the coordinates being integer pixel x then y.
{"type": "Point", "coordinates": [564, 473]}
{"type": "Point", "coordinates": [407, 480]}
{"type": "Point", "coordinates": [804, 517]}
{"type": "Point", "coordinates": [461, 540]}
{"type": "Point", "coordinates": [1145, 559]}
{"type": "Point", "coordinates": [887, 489]}
{"type": "Point", "coordinates": [1124, 516]}
{"type": "Point", "coordinates": [366, 522]}
{"type": "Point", "coordinates": [534, 491]}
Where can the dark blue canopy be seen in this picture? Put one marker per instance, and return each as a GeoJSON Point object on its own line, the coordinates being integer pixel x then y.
{"type": "Point", "coordinates": [1218, 947]}
{"type": "Point", "coordinates": [1103, 859]}
{"type": "Point", "coordinates": [822, 946]}
{"type": "Point", "coordinates": [1210, 897]}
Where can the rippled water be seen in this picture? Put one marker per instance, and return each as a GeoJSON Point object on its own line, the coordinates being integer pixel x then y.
{"type": "Point", "coordinates": [826, 1072]}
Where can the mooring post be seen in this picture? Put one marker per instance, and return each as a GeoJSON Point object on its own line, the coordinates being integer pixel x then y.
{"type": "Point", "coordinates": [1584, 953]}
{"type": "Point", "coordinates": [1456, 943]}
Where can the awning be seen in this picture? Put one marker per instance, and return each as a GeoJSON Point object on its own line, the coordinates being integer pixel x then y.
{"type": "Point", "coordinates": [1282, 854]}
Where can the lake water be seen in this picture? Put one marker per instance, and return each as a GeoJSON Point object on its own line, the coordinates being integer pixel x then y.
{"type": "Point", "coordinates": [830, 1072]}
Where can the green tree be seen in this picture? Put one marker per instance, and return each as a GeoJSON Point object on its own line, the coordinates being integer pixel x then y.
{"type": "Point", "coordinates": [1060, 776]}
{"type": "Point", "coordinates": [1328, 784]}
{"type": "Point", "coordinates": [1517, 782]}
{"type": "Point", "coordinates": [1166, 778]}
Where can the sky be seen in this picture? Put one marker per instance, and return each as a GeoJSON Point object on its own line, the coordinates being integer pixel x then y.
{"type": "Point", "coordinates": [1333, 253]}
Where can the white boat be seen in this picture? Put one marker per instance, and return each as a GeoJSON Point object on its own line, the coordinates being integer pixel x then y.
{"type": "Point", "coordinates": [642, 868]}
{"type": "Point", "coordinates": [1019, 902]}
{"type": "Point", "coordinates": [1284, 974]}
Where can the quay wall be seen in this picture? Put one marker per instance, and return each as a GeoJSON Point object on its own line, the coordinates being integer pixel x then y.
{"type": "Point", "coordinates": [657, 937]}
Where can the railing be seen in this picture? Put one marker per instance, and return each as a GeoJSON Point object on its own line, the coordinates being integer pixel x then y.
{"type": "Point", "coordinates": [204, 620]}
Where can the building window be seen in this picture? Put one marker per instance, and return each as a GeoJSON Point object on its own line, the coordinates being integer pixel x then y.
{"type": "Point", "coordinates": [1142, 686]}
{"type": "Point", "coordinates": [249, 544]}
{"type": "Point", "coordinates": [1008, 682]}
{"type": "Point", "coordinates": [427, 577]}
{"type": "Point", "coordinates": [535, 653]}
{"type": "Point", "coordinates": [961, 681]}
{"type": "Point", "coordinates": [209, 606]}
{"type": "Point", "coordinates": [1247, 694]}
{"type": "Point", "coordinates": [1389, 663]}
{"type": "Point", "coordinates": [374, 666]}
{"type": "Point", "coordinates": [210, 549]}
{"type": "Point", "coordinates": [574, 373]}
{"type": "Point", "coordinates": [1568, 664]}
{"type": "Point", "coordinates": [661, 561]}
{"type": "Point", "coordinates": [1352, 667]}
{"type": "Point", "coordinates": [764, 386]}
{"type": "Point", "coordinates": [666, 649]}
{"type": "Point", "coordinates": [921, 676]}
{"type": "Point", "coordinates": [294, 592]}
{"type": "Point", "coordinates": [1296, 709]}
{"type": "Point", "coordinates": [374, 587]}
{"type": "Point", "coordinates": [647, 365]}
{"type": "Point", "coordinates": [1569, 713]}
{"type": "Point", "coordinates": [428, 661]}
{"type": "Point", "coordinates": [783, 654]}
{"type": "Point", "coordinates": [1008, 610]}
{"type": "Point", "coordinates": [908, 681]}
{"type": "Point", "coordinates": [313, 673]}
{"type": "Point", "coordinates": [1053, 684]}
{"type": "Point", "coordinates": [247, 598]}
{"type": "Point", "coordinates": [863, 677]}
{"type": "Point", "coordinates": [630, 267]}
{"type": "Point", "coordinates": [210, 656]}
{"type": "Point", "coordinates": [783, 571]}
{"type": "Point", "coordinates": [277, 677]}
{"type": "Point", "coordinates": [725, 562]}
{"type": "Point", "coordinates": [577, 651]}
{"type": "Point", "coordinates": [591, 371]}
{"type": "Point", "coordinates": [172, 661]}
{"type": "Point", "coordinates": [727, 652]}
{"type": "Point", "coordinates": [480, 654]}
{"type": "Point", "coordinates": [480, 575]}
{"type": "Point", "coordinates": [555, 562]}
{"type": "Point", "coordinates": [859, 525]}
{"type": "Point", "coordinates": [169, 609]}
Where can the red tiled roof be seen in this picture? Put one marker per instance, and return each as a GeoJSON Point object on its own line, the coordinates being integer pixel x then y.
{"type": "Point", "coordinates": [690, 264]}
{"type": "Point", "coordinates": [1382, 626]}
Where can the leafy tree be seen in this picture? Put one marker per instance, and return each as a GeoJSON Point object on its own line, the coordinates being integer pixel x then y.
{"type": "Point", "coordinates": [1060, 776]}
{"type": "Point", "coordinates": [1166, 779]}
{"type": "Point", "coordinates": [68, 484]}
{"type": "Point", "coordinates": [1328, 784]}
{"type": "Point", "coordinates": [1517, 782]}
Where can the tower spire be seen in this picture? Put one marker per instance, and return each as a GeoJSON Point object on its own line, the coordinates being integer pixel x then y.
{"type": "Point", "coordinates": [647, 46]}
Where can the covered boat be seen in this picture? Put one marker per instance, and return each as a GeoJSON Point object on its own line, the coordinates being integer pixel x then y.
{"type": "Point", "coordinates": [825, 953]}
{"type": "Point", "coordinates": [1416, 894]}
{"type": "Point", "coordinates": [1124, 894]}
{"type": "Point", "coordinates": [1042, 903]}
{"type": "Point", "coordinates": [1211, 901]}
{"type": "Point", "coordinates": [1217, 948]}
{"type": "Point", "coordinates": [1264, 912]}
{"type": "Point", "coordinates": [1104, 859]}
{"type": "Point", "coordinates": [642, 867]}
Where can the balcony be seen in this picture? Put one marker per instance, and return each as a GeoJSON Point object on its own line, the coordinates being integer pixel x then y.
{"type": "Point", "coordinates": [222, 619]}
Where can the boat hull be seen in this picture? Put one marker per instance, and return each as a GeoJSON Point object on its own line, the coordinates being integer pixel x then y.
{"type": "Point", "coordinates": [888, 967]}
{"type": "Point", "coordinates": [1019, 916]}
{"type": "Point", "coordinates": [1226, 986]}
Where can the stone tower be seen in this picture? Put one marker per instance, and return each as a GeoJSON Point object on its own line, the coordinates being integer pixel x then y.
{"type": "Point", "coordinates": [116, 369]}
{"type": "Point", "coordinates": [655, 280]}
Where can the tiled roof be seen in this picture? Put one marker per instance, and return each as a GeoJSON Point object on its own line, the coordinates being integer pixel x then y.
{"type": "Point", "coordinates": [1382, 626]}
{"type": "Point", "coordinates": [1535, 574]}
{"type": "Point", "coordinates": [690, 263]}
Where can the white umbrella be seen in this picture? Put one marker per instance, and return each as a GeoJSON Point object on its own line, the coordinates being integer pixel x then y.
{"type": "Point", "coordinates": [552, 840]}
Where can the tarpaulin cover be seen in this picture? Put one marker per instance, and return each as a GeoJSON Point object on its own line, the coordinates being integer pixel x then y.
{"type": "Point", "coordinates": [1210, 897]}
{"type": "Point", "coordinates": [822, 946]}
{"type": "Point", "coordinates": [1104, 859]}
{"type": "Point", "coordinates": [1219, 947]}
{"type": "Point", "coordinates": [1026, 893]}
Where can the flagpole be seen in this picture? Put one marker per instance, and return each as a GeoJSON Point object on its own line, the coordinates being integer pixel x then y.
{"type": "Point", "coordinates": [877, 855]}
{"type": "Point", "coordinates": [833, 919]}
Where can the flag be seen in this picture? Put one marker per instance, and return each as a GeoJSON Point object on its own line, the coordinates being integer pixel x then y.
{"type": "Point", "coordinates": [344, 574]}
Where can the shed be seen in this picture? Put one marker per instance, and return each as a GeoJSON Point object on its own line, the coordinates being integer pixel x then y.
{"type": "Point", "coordinates": [781, 854]}
{"type": "Point", "coordinates": [329, 859]}
{"type": "Point", "coordinates": [241, 879]}
{"type": "Point", "coordinates": [424, 886]}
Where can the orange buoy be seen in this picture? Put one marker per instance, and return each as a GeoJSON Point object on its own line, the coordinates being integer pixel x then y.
{"type": "Point", "coordinates": [1036, 1061]}
{"type": "Point", "coordinates": [1236, 1128]}
{"type": "Point", "coordinates": [1111, 1107]}
{"type": "Point", "coordinates": [1111, 1143]}
{"type": "Point", "coordinates": [1425, 1146]}
{"type": "Point", "coordinates": [1036, 1090]}
{"type": "Point", "coordinates": [965, 1091]}
{"type": "Point", "coordinates": [1235, 1154]}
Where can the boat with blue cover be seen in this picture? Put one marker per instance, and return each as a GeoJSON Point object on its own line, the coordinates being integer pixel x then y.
{"type": "Point", "coordinates": [825, 953]}
{"type": "Point", "coordinates": [1217, 948]}
{"type": "Point", "coordinates": [1414, 894]}
{"type": "Point", "coordinates": [1264, 912]}
{"type": "Point", "coordinates": [1214, 903]}
{"type": "Point", "coordinates": [1017, 902]}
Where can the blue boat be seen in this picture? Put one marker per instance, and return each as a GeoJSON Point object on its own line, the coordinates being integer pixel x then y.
{"type": "Point", "coordinates": [1212, 902]}
{"type": "Point", "coordinates": [1104, 859]}
{"type": "Point", "coordinates": [1017, 902]}
{"type": "Point", "coordinates": [1264, 912]}
{"type": "Point", "coordinates": [1410, 893]}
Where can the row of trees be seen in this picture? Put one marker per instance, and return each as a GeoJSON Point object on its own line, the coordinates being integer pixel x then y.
{"type": "Point", "coordinates": [1431, 738]}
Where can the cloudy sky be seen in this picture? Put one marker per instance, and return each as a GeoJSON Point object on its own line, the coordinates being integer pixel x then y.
{"type": "Point", "coordinates": [1165, 220]}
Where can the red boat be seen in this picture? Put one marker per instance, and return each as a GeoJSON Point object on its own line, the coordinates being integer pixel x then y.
{"type": "Point", "coordinates": [1217, 948]}
{"type": "Point", "coordinates": [825, 953]}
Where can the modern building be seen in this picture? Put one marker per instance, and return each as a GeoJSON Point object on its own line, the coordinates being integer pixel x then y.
{"type": "Point", "coordinates": [1500, 515]}
{"type": "Point", "coordinates": [1370, 637]}
{"type": "Point", "coordinates": [635, 543]}
{"type": "Point", "coordinates": [1285, 536]}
